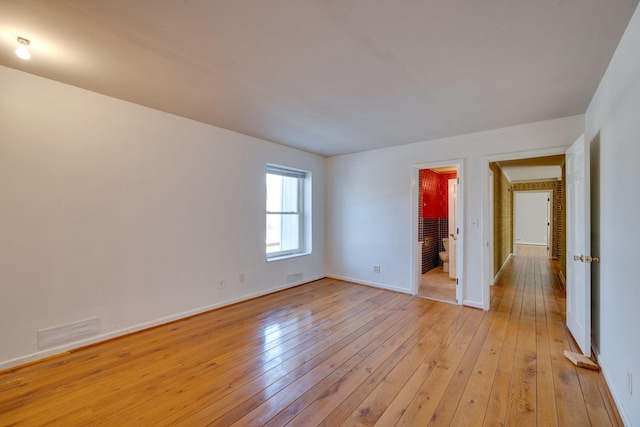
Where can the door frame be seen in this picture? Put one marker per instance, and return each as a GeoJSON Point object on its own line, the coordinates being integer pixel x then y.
{"type": "Point", "coordinates": [487, 239]}
{"type": "Point", "coordinates": [416, 259]}
{"type": "Point", "coordinates": [490, 273]}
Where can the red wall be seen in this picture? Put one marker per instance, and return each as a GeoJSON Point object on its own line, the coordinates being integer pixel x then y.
{"type": "Point", "coordinates": [434, 187]}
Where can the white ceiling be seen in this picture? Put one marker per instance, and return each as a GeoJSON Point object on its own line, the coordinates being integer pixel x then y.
{"type": "Point", "coordinates": [533, 169]}
{"type": "Point", "coordinates": [532, 173]}
{"type": "Point", "coordinates": [328, 76]}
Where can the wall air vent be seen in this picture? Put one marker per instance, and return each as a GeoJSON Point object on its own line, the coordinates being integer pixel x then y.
{"type": "Point", "coordinates": [292, 278]}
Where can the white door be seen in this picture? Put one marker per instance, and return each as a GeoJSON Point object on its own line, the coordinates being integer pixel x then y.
{"type": "Point", "coordinates": [578, 245]}
{"type": "Point", "coordinates": [453, 226]}
{"type": "Point", "coordinates": [549, 219]}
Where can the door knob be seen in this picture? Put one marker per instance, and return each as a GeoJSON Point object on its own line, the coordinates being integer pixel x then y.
{"type": "Point", "coordinates": [586, 258]}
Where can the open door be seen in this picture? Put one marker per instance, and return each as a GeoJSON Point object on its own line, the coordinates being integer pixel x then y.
{"type": "Point", "coordinates": [578, 245]}
{"type": "Point", "coordinates": [452, 187]}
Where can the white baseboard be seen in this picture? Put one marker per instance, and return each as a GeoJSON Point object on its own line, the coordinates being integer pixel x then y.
{"type": "Point", "coordinates": [468, 303]}
{"type": "Point", "coordinates": [623, 414]}
{"type": "Point", "coordinates": [502, 267]}
{"type": "Point", "coordinates": [473, 304]}
{"type": "Point", "coordinates": [6, 364]}
{"type": "Point", "coordinates": [368, 283]}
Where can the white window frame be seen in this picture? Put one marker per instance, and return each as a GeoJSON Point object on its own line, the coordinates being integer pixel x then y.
{"type": "Point", "coordinates": [302, 177]}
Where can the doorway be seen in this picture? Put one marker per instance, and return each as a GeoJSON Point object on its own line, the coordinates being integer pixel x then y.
{"type": "Point", "coordinates": [532, 218]}
{"type": "Point", "coordinates": [505, 176]}
{"type": "Point", "coordinates": [438, 233]}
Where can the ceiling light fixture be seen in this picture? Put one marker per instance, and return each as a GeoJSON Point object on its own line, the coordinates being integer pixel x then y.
{"type": "Point", "coordinates": [23, 48]}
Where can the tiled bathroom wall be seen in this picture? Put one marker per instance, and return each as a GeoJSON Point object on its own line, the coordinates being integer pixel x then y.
{"type": "Point", "coordinates": [430, 258]}
{"type": "Point", "coordinates": [433, 223]}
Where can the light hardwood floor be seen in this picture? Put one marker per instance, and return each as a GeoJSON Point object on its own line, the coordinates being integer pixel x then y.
{"type": "Point", "coordinates": [436, 284]}
{"type": "Point", "coordinates": [330, 353]}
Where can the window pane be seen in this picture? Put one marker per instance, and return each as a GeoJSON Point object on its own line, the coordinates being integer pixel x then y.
{"type": "Point", "coordinates": [274, 193]}
{"type": "Point", "coordinates": [282, 193]}
{"type": "Point", "coordinates": [283, 233]}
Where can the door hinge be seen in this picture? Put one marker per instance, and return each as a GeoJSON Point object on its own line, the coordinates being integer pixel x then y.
{"type": "Point", "coordinates": [457, 282]}
{"type": "Point", "coordinates": [457, 230]}
{"type": "Point", "coordinates": [458, 181]}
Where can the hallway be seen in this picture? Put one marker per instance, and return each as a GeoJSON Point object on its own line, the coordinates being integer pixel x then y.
{"type": "Point", "coordinates": [542, 385]}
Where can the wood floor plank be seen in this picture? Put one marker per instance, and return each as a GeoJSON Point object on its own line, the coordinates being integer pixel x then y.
{"type": "Point", "coordinates": [522, 394]}
{"type": "Point", "coordinates": [546, 408]}
{"type": "Point", "coordinates": [315, 405]}
{"type": "Point", "coordinates": [445, 410]}
{"type": "Point", "coordinates": [416, 365]}
{"type": "Point", "coordinates": [232, 394]}
{"type": "Point", "coordinates": [473, 403]}
{"type": "Point", "coordinates": [421, 407]}
{"type": "Point", "coordinates": [339, 361]}
{"type": "Point", "coordinates": [441, 315]}
{"type": "Point", "coordinates": [331, 353]}
{"type": "Point", "coordinates": [499, 396]}
{"type": "Point", "coordinates": [254, 371]}
{"type": "Point", "coordinates": [594, 400]}
{"type": "Point", "coordinates": [569, 399]}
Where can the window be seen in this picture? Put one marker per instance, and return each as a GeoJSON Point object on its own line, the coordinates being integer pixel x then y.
{"type": "Point", "coordinates": [285, 211]}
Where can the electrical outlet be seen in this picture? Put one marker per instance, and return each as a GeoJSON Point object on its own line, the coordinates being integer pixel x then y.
{"type": "Point", "coordinates": [630, 382]}
{"type": "Point", "coordinates": [376, 269]}
{"type": "Point", "coordinates": [241, 278]}
{"type": "Point", "coordinates": [221, 284]}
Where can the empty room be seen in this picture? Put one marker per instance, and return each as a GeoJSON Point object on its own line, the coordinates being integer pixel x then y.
{"type": "Point", "coordinates": [319, 213]}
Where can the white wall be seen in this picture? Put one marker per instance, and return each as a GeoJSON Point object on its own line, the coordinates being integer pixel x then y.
{"type": "Point", "coordinates": [530, 217]}
{"type": "Point", "coordinates": [369, 208]}
{"type": "Point", "coordinates": [614, 113]}
{"type": "Point", "coordinates": [119, 211]}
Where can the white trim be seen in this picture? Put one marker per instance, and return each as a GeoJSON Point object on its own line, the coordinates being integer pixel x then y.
{"type": "Point", "coordinates": [489, 241]}
{"type": "Point", "coordinates": [473, 304]}
{"type": "Point", "coordinates": [415, 258]}
{"type": "Point", "coordinates": [302, 178]}
{"type": "Point", "coordinates": [502, 266]}
{"type": "Point", "coordinates": [6, 364]}
{"type": "Point", "coordinates": [287, 256]}
{"type": "Point", "coordinates": [369, 283]}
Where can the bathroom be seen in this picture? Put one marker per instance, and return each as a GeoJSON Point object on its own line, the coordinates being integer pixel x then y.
{"type": "Point", "coordinates": [437, 232]}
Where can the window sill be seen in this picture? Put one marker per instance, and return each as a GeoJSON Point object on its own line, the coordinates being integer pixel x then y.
{"type": "Point", "coordinates": [278, 258]}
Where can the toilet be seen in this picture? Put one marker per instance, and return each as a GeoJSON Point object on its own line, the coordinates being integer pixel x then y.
{"type": "Point", "coordinates": [444, 256]}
